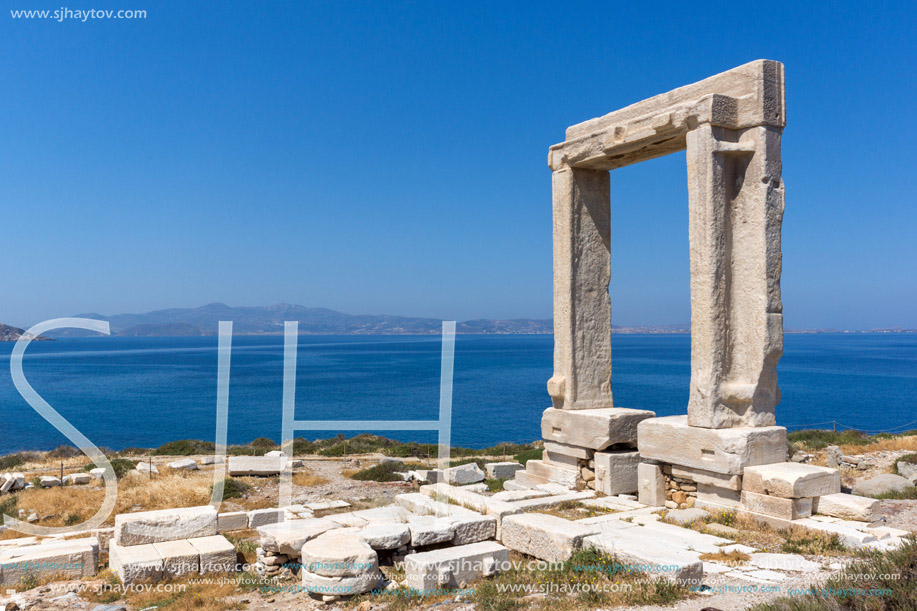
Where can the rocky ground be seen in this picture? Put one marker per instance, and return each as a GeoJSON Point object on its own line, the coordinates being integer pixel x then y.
{"type": "Point", "coordinates": [329, 480]}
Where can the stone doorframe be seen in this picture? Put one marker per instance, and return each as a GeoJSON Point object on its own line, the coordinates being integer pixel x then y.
{"type": "Point", "coordinates": [730, 124]}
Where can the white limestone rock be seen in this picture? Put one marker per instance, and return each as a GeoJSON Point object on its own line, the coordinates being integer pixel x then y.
{"type": "Point", "coordinates": [881, 484]}
{"type": "Point", "coordinates": [184, 464]}
{"type": "Point", "coordinates": [216, 554]}
{"type": "Point", "coordinates": [727, 451]}
{"type": "Point", "coordinates": [146, 467]}
{"type": "Point", "coordinates": [543, 536]}
{"type": "Point", "coordinates": [502, 470]}
{"type": "Point", "coordinates": [464, 474]}
{"type": "Point", "coordinates": [595, 429]}
{"type": "Point", "coordinates": [454, 567]}
{"type": "Point", "coordinates": [289, 537]}
{"type": "Point", "coordinates": [791, 480]}
{"type": "Point", "coordinates": [386, 536]}
{"type": "Point", "coordinates": [263, 517]}
{"type": "Point", "coordinates": [48, 481]}
{"type": "Point", "coordinates": [179, 558]}
{"type": "Point", "coordinates": [616, 472]}
{"type": "Point", "coordinates": [336, 554]}
{"type": "Point", "coordinates": [428, 530]}
{"type": "Point", "coordinates": [650, 484]}
{"type": "Point", "coordinates": [211, 460]}
{"type": "Point", "coordinates": [261, 466]}
{"type": "Point", "coordinates": [563, 475]}
{"type": "Point", "coordinates": [135, 562]}
{"type": "Point", "coordinates": [847, 507]}
{"type": "Point", "coordinates": [786, 509]}
{"type": "Point", "coordinates": [165, 525]}
{"type": "Point", "coordinates": [232, 520]}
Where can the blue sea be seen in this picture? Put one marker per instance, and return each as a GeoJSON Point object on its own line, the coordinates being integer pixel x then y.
{"type": "Point", "coordinates": [143, 392]}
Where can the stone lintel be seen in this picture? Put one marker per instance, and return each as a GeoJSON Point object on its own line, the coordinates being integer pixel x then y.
{"type": "Point", "coordinates": [671, 440]}
{"type": "Point", "coordinates": [747, 96]}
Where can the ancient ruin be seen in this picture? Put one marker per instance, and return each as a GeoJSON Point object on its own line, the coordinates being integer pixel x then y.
{"type": "Point", "coordinates": [730, 126]}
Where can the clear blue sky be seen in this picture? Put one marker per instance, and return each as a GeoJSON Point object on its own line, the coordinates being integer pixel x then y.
{"type": "Point", "coordinates": [391, 158]}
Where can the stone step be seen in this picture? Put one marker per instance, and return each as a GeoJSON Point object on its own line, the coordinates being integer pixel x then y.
{"type": "Point", "coordinates": [656, 558]}
{"type": "Point", "coordinates": [543, 536]}
{"type": "Point", "coordinates": [550, 501]}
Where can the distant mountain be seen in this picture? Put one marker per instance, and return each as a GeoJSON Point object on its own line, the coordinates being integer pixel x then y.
{"type": "Point", "coordinates": [312, 321]}
{"type": "Point", "coordinates": [11, 334]}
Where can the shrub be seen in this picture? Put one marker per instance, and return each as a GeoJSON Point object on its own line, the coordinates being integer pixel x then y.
{"type": "Point", "coordinates": [815, 439]}
{"type": "Point", "coordinates": [120, 465]}
{"type": "Point", "coordinates": [72, 518]}
{"type": "Point", "coordinates": [184, 447]}
{"type": "Point", "coordinates": [64, 452]}
{"type": "Point", "coordinates": [11, 461]}
{"type": "Point", "coordinates": [527, 455]}
{"type": "Point", "coordinates": [263, 442]}
{"type": "Point", "coordinates": [8, 505]}
{"type": "Point", "coordinates": [379, 473]}
{"type": "Point", "coordinates": [232, 488]}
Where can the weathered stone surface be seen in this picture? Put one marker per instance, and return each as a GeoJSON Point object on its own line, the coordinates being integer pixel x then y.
{"type": "Point", "coordinates": [216, 553]}
{"type": "Point", "coordinates": [135, 562]}
{"type": "Point", "coordinates": [616, 472]}
{"type": "Point", "coordinates": [595, 429]}
{"type": "Point", "coordinates": [731, 125]}
{"type": "Point", "coordinates": [791, 480]}
{"type": "Point", "coordinates": [469, 526]}
{"type": "Point", "coordinates": [338, 586]}
{"type": "Point", "coordinates": [336, 554]}
{"type": "Point", "coordinates": [564, 475]}
{"type": "Point", "coordinates": [650, 485]}
{"type": "Point", "coordinates": [184, 464]}
{"type": "Point", "coordinates": [427, 530]}
{"type": "Point", "coordinates": [232, 520]}
{"type": "Point", "coordinates": [165, 525]}
{"type": "Point", "coordinates": [728, 451]}
{"type": "Point", "coordinates": [477, 502]}
{"type": "Point", "coordinates": [263, 466]}
{"type": "Point", "coordinates": [72, 559]}
{"type": "Point", "coordinates": [289, 537]}
{"type": "Point", "coordinates": [263, 517]}
{"type": "Point", "coordinates": [464, 474]}
{"type": "Point", "coordinates": [787, 509]}
{"type": "Point", "coordinates": [686, 516]}
{"type": "Point", "coordinates": [454, 566]}
{"type": "Point", "coordinates": [847, 507]}
{"type": "Point", "coordinates": [178, 558]}
{"type": "Point", "coordinates": [881, 484]}
{"type": "Point", "coordinates": [568, 450]}
{"type": "Point", "coordinates": [561, 460]}
{"type": "Point", "coordinates": [518, 495]}
{"type": "Point", "coordinates": [103, 536]}
{"type": "Point", "coordinates": [146, 467]}
{"type": "Point", "coordinates": [48, 481]}
{"type": "Point", "coordinates": [656, 557]}
{"type": "Point", "coordinates": [701, 476]}
{"type": "Point", "coordinates": [389, 514]}
{"type": "Point", "coordinates": [735, 190]}
{"type": "Point", "coordinates": [543, 536]}
{"type": "Point", "coordinates": [211, 460]}
{"type": "Point", "coordinates": [502, 470]}
{"type": "Point", "coordinates": [524, 481]}
{"type": "Point", "coordinates": [720, 496]}
{"type": "Point", "coordinates": [386, 536]}
{"type": "Point", "coordinates": [550, 501]}
{"type": "Point", "coordinates": [908, 470]}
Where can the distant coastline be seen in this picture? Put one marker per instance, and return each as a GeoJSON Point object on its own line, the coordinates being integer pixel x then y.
{"type": "Point", "coordinates": [269, 320]}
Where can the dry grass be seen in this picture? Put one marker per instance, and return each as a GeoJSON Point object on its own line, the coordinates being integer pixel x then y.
{"type": "Point", "coordinates": [169, 489]}
{"type": "Point", "coordinates": [733, 558]}
{"type": "Point", "coordinates": [175, 595]}
{"type": "Point", "coordinates": [908, 443]}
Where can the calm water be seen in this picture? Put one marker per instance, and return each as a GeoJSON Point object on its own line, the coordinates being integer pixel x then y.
{"type": "Point", "coordinates": [124, 392]}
